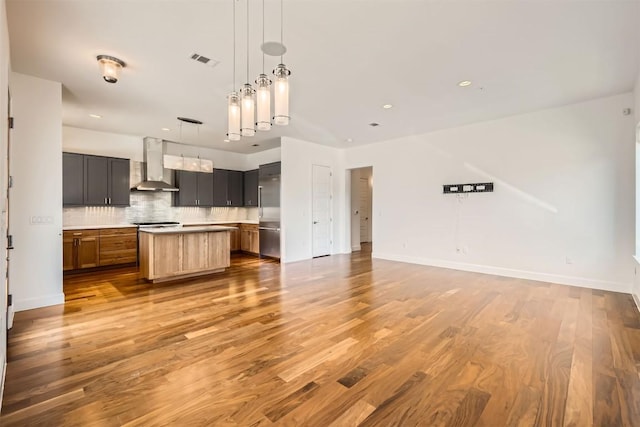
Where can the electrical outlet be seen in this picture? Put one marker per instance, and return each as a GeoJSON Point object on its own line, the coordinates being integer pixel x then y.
{"type": "Point", "coordinates": [568, 260]}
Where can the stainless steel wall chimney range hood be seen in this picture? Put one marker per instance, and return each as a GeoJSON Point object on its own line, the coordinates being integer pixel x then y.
{"type": "Point", "coordinates": [153, 170]}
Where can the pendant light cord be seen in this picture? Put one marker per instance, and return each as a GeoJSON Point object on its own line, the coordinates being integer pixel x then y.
{"type": "Point", "coordinates": [281, 26]}
{"type": "Point", "coordinates": [262, 36]}
{"type": "Point", "coordinates": [234, 44]}
{"type": "Point", "coordinates": [247, 41]}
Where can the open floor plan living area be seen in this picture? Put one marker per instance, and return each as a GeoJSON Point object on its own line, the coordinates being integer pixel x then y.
{"type": "Point", "coordinates": [320, 213]}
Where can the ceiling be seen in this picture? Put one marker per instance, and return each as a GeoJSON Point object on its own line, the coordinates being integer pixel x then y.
{"type": "Point", "coordinates": [347, 57]}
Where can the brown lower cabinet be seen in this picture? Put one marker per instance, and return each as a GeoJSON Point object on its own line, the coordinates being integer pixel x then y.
{"type": "Point", "coordinates": [80, 249]}
{"type": "Point", "coordinates": [96, 248]}
{"type": "Point", "coordinates": [249, 238]}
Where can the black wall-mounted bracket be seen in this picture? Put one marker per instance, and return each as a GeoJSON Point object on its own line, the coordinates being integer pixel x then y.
{"type": "Point", "coordinates": [483, 187]}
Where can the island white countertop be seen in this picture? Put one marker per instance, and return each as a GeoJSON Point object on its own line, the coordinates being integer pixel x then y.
{"type": "Point", "coordinates": [184, 230]}
{"type": "Point", "coordinates": [230, 221]}
{"type": "Point", "coordinates": [96, 227]}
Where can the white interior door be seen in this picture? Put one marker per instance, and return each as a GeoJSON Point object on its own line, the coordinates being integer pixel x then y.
{"type": "Point", "coordinates": [365, 210]}
{"type": "Point", "coordinates": [321, 210]}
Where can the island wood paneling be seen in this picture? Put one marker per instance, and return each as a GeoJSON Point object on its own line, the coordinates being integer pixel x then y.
{"type": "Point", "coordinates": [335, 341]}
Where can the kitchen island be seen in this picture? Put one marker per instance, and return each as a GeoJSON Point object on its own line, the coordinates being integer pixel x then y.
{"type": "Point", "coordinates": [172, 253]}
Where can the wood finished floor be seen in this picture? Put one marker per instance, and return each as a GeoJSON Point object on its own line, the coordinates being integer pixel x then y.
{"type": "Point", "coordinates": [336, 341]}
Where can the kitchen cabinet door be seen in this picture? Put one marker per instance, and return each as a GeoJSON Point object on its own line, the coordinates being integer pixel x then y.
{"type": "Point", "coordinates": [72, 179]}
{"type": "Point", "coordinates": [68, 252]}
{"type": "Point", "coordinates": [96, 184]}
{"type": "Point", "coordinates": [235, 188]}
{"type": "Point", "coordinates": [187, 183]}
{"type": "Point", "coordinates": [205, 189]}
{"type": "Point", "coordinates": [88, 247]}
{"type": "Point", "coordinates": [220, 180]}
{"type": "Point", "coordinates": [251, 188]}
{"type": "Point", "coordinates": [119, 186]}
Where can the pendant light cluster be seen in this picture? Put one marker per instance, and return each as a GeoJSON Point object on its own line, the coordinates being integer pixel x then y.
{"type": "Point", "coordinates": [251, 108]}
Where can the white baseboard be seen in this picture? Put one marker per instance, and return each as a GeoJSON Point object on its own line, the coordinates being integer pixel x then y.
{"type": "Point", "coordinates": [44, 301]}
{"type": "Point", "coordinates": [3, 366]}
{"type": "Point", "coordinates": [582, 282]}
{"type": "Point", "coordinates": [636, 298]}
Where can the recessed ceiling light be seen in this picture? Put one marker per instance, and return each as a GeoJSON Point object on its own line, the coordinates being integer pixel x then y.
{"type": "Point", "coordinates": [349, 139]}
{"type": "Point", "coordinates": [166, 129]}
{"type": "Point", "coordinates": [387, 106]}
{"type": "Point", "coordinates": [255, 145]}
{"type": "Point", "coordinates": [374, 124]}
{"type": "Point", "coordinates": [95, 116]}
{"type": "Point", "coordinates": [464, 83]}
{"type": "Point", "coordinates": [226, 140]}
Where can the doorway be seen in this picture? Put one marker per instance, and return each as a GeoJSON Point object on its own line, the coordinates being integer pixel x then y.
{"type": "Point", "coordinates": [321, 211]}
{"type": "Point", "coordinates": [361, 208]}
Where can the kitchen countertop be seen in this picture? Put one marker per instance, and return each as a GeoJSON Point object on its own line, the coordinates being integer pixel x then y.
{"type": "Point", "coordinates": [241, 221]}
{"type": "Point", "coordinates": [96, 227]}
{"type": "Point", "coordinates": [184, 230]}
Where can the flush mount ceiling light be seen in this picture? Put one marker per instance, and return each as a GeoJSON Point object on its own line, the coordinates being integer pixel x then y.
{"type": "Point", "coordinates": [110, 67]}
{"type": "Point", "coordinates": [387, 106]}
{"type": "Point", "coordinates": [464, 83]}
{"type": "Point", "coordinates": [166, 129]}
{"type": "Point", "coordinates": [95, 116]}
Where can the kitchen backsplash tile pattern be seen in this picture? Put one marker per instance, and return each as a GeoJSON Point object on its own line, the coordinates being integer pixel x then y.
{"type": "Point", "coordinates": [151, 206]}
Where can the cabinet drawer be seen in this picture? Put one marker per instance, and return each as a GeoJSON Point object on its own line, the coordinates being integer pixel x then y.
{"type": "Point", "coordinates": [249, 227]}
{"type": "Point", "coordinates": [118, 231]}
{"type": "Point", "coordinates": [117, 243]}
{"type": "Point", "coordinates": [73, 234]}
{"type": "Point", "coordinates": [118, 257]}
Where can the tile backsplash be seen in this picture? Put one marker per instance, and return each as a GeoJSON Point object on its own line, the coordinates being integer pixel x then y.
{"type": "Point", "coordinates": [151, 206]}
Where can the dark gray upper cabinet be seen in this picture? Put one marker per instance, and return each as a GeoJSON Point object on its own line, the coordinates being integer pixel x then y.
{"type": "Point", "coordinates": [251, 188]}
{"type": "Point", "coordinates": [187, 184]}
{"type": "Point", "coordinates": [96, 181]}
{"type": "Point", "coordinates": [205, 189]}
{"type": "Point", "coordinates": [235, 188]}
{"type": "Point", "coordinates": [72, 179]}
{"type": "Point", "coordinates": [195, 189]}
{"type": "Point", "coordinates": [106, 181]}
{"type": "Point", "coordinates": [119, 185]}
{"type": "Point", "coordinates": [227, 187]}
{"type": "Point", "coordinates": [220, 183]}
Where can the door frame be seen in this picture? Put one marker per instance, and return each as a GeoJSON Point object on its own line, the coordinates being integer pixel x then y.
{"type": "Point", "coordinates": [313, 166]}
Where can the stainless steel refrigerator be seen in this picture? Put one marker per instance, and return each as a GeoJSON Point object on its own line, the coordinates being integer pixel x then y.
{"type": "Point", "coordinates": [269, 209]}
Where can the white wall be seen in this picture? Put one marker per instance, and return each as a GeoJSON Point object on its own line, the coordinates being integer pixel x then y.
{"type": "Point", "coordinates": [636, 94]}
{"type": "Point", "coordinates": [36, 167]}
{"type": "Point", "coordinates": [4, 85]}
{"type": "Point", "coordinates": [563, 206]}
{"type": "Point", "coordinates": [254, 160]}
{"type": "Point", "coordinates": [297, 160]}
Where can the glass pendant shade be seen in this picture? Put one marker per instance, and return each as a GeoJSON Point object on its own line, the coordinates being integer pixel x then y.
{"type": "Point", "coordinates": [281, 95]}
{"type": "Point", "coordinates": [263, 102]}
{"type": "Point", "coordinates": [248, 111]}
{"type": "Point", "coordinates": [233, 132]}
{"type": "Point", "coordinates": [110, 68]}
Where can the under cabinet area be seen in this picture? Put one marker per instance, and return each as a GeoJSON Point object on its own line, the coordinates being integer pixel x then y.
{"type": "Point", "coordinates": [89, 248]}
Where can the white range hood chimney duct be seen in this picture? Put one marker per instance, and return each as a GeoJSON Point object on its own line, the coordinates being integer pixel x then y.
{"type": "Point", "coordinates": [153, 171]}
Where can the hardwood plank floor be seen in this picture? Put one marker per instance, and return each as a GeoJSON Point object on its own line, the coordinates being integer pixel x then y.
{"type": "Point", "coordinates": [341, 340]}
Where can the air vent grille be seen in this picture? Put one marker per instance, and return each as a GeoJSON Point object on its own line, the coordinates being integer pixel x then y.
{"type": "Point", "coordinates": [204, 60]}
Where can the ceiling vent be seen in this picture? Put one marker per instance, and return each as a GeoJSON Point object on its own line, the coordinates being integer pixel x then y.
{"type": "Point", "coordinates": [204, 60]}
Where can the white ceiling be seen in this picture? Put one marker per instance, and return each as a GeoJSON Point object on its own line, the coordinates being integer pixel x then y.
{"type": "Point", "coordinates": [347, 57]}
